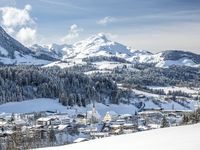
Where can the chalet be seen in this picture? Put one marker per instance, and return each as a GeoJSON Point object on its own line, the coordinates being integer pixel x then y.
{"type": "Point", "coordinates": [64, 119]}
{"type": "Point", "coordinates": [88, 129]}
{"type": "Point", "coordinates": [81, 119]}
{"type": "Point", "coordinates": [115, 129]}
{"type": "Point", "coordinates": [128, 128]}
{"type": "Point", "coordinates": [120, 121]}
{"type": "Point", "coordinates": [44, 121]}
{"type": "Point", "coordinates": [55, 121]}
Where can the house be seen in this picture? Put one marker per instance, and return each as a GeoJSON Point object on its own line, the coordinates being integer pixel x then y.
{"type": "Point", "coordinates": [115, 129]}
{"type": "Point", "coordinates": [120, 121]}
{"type": "Point", "coordinates": [110, 116]}
{"type": "Point", "coordinates": [88, 129]}
{"type": "Point", "coordinates": [44, 121]}
{"type": "Point", "coordinates": [128, 128]}
{"type": "Point", "coordinates": [126, 116]}
{"type": "Point", "coordinates": [62, 128]}
{"type": "Point", "coordinates": [97, 135]}
{"type": "Point", "coordinates": [64, 119]}
{"type": "Point", "coordinates": [81, 119]}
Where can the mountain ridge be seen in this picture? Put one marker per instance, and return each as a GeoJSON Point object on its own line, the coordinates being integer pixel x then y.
{"type": "Point", "coordinates": [94, 47]}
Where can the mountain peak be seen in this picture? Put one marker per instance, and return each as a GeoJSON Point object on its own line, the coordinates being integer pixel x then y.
{"type": "Point", "coordinates": [100, 37]}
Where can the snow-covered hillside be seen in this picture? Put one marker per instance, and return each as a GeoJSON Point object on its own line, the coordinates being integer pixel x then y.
{"type": "Point", "coordinates": [45, 104]}
{"type": "Point", "coordinates": [160, 60]}
{"type": "Point", "coordinates": [174, 138]}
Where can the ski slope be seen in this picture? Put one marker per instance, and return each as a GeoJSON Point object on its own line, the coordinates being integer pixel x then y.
{"type": "Point", "coordinates": [173, 138]}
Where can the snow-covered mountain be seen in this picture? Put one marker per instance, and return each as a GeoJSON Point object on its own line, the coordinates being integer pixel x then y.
{"type": "Point", "coordinates": [104, 53]}
{"type": "Point", "coordinates": [168, 58]}
{"type": "Point", "coordinates": [53, 50]}
{"type": "Point", "coordinates": [97, 50]}
{"type": "Point", "coordinates": [99, 46]}
{"type": "Point", "coordinates": [13, 52]}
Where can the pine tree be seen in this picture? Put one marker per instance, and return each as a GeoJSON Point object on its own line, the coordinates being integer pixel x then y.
{"type": "Point", "coordinates": [164, 122]}
{"type": "Point", "coordinates": [185, 119]}
{"type": "Point", "coordinates": [52, 137]}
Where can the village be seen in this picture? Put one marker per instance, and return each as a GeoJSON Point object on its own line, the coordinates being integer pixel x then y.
{"type": "Point", "coordinates": [53, 128]}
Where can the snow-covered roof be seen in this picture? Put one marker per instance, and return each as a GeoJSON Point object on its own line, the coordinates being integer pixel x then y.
{"type": "Point", "coordinates": [125, 115]}
{"type": "Point", "coordinates": [62, 127]}
{"type": "Point", "coordinates": [80, 140]}
{"type": "Point", "coordinates": [115, 126]}
{"type": "Point", "coordinates": [19, 121]}
{"type": "Point", "coordinates": [128, 125]}
{"type": "Point", "coordinates": [44, 119]}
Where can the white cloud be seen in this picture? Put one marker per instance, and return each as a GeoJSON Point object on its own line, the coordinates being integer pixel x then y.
{"type": "Point", "coordinates": [19, 24]}
{"type": "Point", "coordinates": [12, 17]}
{"type": "Point", "coordinates": [105, 20]}
{"type": "Point", "coordinates": [26, 35]}
{"type": "Point", "coordinates": [73, 33]}
{"type": "Point", "coordinates": [28, 7]}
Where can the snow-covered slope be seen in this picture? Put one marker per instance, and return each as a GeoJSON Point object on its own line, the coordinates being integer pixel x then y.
{"type": "Point", "coordinates": [53, 50]}
{"type": "Point", "coordinates": [44, 104]}
{"type": "Point", "coordinates": [13, 52]}
{"type": "Point", "coordinates": [173, 138]}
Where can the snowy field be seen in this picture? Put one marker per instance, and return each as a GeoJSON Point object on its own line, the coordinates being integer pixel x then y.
{"type": "Point", "coordinates": [44, 104]}
{"type": "Point", "coordinates": [173, 138]}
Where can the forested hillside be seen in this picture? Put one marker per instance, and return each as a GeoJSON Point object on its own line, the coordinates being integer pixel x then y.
{"type": "Point", "coordinates": [19, 83]}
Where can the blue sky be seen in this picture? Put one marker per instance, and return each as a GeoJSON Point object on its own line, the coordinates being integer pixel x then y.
{"type": "Point", "coordinates": [142, 24]}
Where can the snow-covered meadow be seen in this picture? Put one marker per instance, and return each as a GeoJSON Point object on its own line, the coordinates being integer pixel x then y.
{"type": "Point", "coordinates": [44, 104]}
